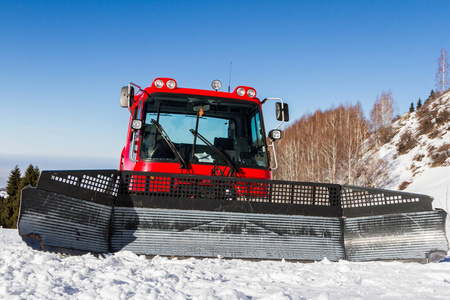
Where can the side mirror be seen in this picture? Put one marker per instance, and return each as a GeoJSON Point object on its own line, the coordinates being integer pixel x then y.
{"type": "Point", "coordinates": [282, 111]}
{"type": "Point", "coordinates": [127, 96]}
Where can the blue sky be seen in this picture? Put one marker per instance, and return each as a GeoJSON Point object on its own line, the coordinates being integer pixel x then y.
{"type": "Point", "coordinates": [62, 63]}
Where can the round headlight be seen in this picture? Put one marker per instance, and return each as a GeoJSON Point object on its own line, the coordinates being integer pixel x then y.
{"type": "Point", "coordinates": [159, 83]}
{"type": "Point", "coordinates": [216, 84]}
{"type": "Point", "coordinates": [171, 84]}
{"type": "Point", "coordinates": [251, 93]}
{"type": "Point", "coordinates": [240, 91]}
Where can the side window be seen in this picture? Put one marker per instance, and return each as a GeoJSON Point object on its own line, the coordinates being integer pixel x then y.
{"type": "Point", "coordinates": [256, 130]}
{"type": "Point", "coordinates": [258, 142]}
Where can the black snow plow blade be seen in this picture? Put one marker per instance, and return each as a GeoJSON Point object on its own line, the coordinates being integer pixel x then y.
{"type": "Point", "coordinates": [201, 216]}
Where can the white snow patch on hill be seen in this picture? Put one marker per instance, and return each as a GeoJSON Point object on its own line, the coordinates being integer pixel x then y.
{"type": "Point", "coordinates": [407, 167]}
{"type": "Point", "coordinates": [434, 182]}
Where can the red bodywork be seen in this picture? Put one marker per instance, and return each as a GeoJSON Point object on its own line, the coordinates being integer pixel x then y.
{"type": "Point", "coordinates": [170, 167]}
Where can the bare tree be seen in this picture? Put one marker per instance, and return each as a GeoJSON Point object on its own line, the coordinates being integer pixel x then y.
{"type": "Point", "coordinates": [327, 146]}
{"type": "Point", "coordinates": [442, 80]}
{"type": "Point", "coordinates": [383, 110]}
{"type": "Point", "coordinates": [354, 142]}
{"type": "Point", "coordinates": [381, 115]}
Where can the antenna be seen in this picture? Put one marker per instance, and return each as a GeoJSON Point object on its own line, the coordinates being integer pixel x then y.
{"type": "Point", "coordinates": [229, 79]}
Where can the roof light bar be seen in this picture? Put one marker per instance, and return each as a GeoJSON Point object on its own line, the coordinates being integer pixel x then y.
{"type": "Point", "coordinates": [165, 82]}
{"type": "Point", "coordinates": [245, 91]}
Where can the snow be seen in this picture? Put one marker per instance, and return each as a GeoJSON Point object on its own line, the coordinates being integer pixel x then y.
{"type": "Point", "coordinates": [434, 182]}
{"type": "Point", "coordinates": [31, 274]}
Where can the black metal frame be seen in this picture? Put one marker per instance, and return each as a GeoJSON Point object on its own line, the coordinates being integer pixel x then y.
{"type": "Point", "coordinates": [361, 201]}
{"type": "Point", "coordinates": [210, 193]}
{"type": "Point", "coordinates": [99, 186]}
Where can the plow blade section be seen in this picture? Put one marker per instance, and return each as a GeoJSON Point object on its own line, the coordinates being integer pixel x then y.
{"type": "Point", "coordinates": [71, 214]}
{"type": "Point", "coordinates": [58, 223]}
{"type": "Point", "coordinates": [389, 225]}
{"type": "Point", "coordinates": [231, 235]}
{"type": "Point", "coordinates": [203, 216]}
{"type": "Point", "coordinates": [393, 237]}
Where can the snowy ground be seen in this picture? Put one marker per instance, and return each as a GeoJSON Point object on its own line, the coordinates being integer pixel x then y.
{"type": "Point", "coordinates": [29, 274]}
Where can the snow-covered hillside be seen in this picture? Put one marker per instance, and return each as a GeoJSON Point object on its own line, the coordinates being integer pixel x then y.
{"type": "Point", "coordinates": [419, 153]}
{"type": "Point", "coordinates": [30, 274]}
{"type": "Point", "coordinates": [421, 142]}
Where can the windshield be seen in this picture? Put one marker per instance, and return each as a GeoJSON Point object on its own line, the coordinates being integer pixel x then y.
{"type": "Point", "coordinates": [234, 128]}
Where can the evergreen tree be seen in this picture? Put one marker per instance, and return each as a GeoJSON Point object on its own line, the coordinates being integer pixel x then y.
{"type": "Point", "coordinates": [13, 184]}
{"type": "Point", "coordinates": [31, 177]}
{"type": "Point", "coordinates": [431, 97]}
{"type": "Point", "coordinates": [419, 104]}
{"type": "Point", "coordinates": [37, 173]}
{"type": "Point", "coordinates": [411, 108]}
{"type": "Point", "coordinates": [2, 208]}
{"type": "Point", "coordinates": [7, 211]}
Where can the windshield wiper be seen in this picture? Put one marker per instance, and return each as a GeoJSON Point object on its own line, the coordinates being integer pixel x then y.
{"type": "Point", "coordinates": [233, 167]}
{"type": "Point", "coordinates": [169, 143]}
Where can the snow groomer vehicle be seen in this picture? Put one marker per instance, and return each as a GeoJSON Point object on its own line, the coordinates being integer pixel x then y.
{"type": "Point", "coordinates": [195, 181]}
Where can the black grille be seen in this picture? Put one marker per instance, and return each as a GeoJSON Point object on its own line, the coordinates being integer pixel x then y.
{"type": "Point", "coordinates": [178, 191]}
{"type": "Point", "coordinates": [99, 183]}
{"type": "Point", "coordinates": [99, 186]}
{"type": "Point", "coordinates": [223, 188]}
{"type": "Point", "coordinates": [359, 201]}
{"type": "Point", "coordinates": [157, 190]}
